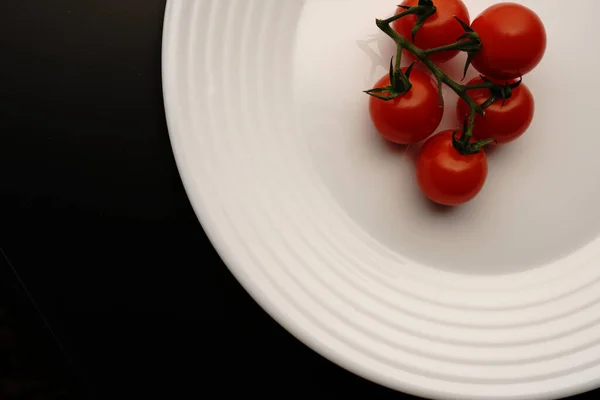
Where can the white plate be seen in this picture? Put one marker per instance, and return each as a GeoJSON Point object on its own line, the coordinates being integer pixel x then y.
{"type": "Point", "coordinates": [323, 223]}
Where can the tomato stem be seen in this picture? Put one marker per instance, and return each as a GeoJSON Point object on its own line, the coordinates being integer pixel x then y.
{"type": "Point", "coordinates": [448, 47]}
{"type": "Point", "coordinates": [399, 82]}
{"type": "Point", "coordinates": [468, 42]}
{"type": "Point", "coordinates": [409, 11]}
{"type": "Point", "coordinates": [398, 57]}
{"type": "Point", "coordinates": [479, 86]}
{"type": "Point", "coordinates": [468, 131]}
{"type": "Point", "coordinates": [421, 55]}
{"type": "Point", "coordinates": [464, 145]}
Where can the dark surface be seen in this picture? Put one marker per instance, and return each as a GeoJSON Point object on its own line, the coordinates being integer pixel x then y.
{"type": "Point", "coordinates": [95, 221]}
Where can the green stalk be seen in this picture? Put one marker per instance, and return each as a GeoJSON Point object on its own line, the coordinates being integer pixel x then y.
{"type": "Point", "coordinates": [421, 55]}
{"type": "Point", "coordinates": [469, 43]}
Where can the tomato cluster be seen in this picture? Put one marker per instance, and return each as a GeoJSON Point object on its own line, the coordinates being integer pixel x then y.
{"type": "Point", "coordinates": [504, 43]}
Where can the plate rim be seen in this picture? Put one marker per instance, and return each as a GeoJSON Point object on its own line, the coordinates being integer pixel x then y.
{"type": "Point", "coordinates": [235, 266]}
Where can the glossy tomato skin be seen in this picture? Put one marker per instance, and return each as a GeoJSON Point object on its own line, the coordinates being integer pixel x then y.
{"type": "Point", "coordinates": [447, 177]}
{"type": "Point", "coordinates": [410, 117]}
{"type": "Point", "coordinates": [503, 122]}
{"type": "Point", "coordinates": [440, 29]}
{"type": "Point", "coordinates": [513, 41]}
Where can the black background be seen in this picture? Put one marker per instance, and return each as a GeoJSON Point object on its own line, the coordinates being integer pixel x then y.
{"type": "Point", "coordinates": [95, 221]}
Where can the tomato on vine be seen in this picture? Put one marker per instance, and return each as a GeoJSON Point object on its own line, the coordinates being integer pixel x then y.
{"type": "Point", "coordinates": [446, 175]}
{"type": "Point", "coordinates": [505, 42]}
{"type": "Point", "coordinates": [412, 114]}
{"type": "Point", "coordinates": [506, 119]}
{"type": "Point", "coordinates": [513, 41]}
{"type": "Point", "coordinates": [434, 27]}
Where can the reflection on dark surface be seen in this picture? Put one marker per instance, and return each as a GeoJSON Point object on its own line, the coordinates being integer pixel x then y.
{"type": "Point", "coordinates": [32, 364]}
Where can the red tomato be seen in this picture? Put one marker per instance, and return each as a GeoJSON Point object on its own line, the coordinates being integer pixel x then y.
{"type": "Point", "coordinates": [438, 30]}
{"type": "Point", "coordinates": [410, 117]}
{"type": "Point", "coordinates": [446, 176]}
{"type": "Point", "coordinates": [513, 41]}
{"type": "Point", "coordinates": [503, 122]}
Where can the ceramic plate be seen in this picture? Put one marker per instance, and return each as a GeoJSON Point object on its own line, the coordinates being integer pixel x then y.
{"type": "Point", "coordinates": [322, 222]}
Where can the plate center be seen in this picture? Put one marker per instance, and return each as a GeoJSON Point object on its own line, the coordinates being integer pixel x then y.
{"type": "Point", "coordinates": [540, 200]}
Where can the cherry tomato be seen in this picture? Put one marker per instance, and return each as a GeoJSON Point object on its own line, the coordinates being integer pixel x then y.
{"type": "Point", "coordinates": [513, 41]}
{"type": "Point", "coordinates": [410, 117]}
{"type": "Point", "coordinates": [438, 30]}
{"type": "Point", "coordinates": [446, 176]}
{"type": "Point", "coordinates": [504, 121]}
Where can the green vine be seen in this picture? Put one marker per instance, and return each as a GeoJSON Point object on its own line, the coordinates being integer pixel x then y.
{"type": "Point", "coordinates": [469, 42]}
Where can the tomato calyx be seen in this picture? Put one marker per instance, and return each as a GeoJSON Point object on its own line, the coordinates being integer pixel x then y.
{"type": "Point", "coordinates": [503, 92]}
{"type": "Point", "coordinates": [469, 42]}
{"type": "Point", "coordinates": [497, 91]}
{"type": "Point", "coordinates": [423, 10]}
{"type": "Point", "coordinates": [464, 145]}
{"type": "Point", "coordinates": [471, 147]}
{"type": "Point", "coordinates": [399, 82]}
